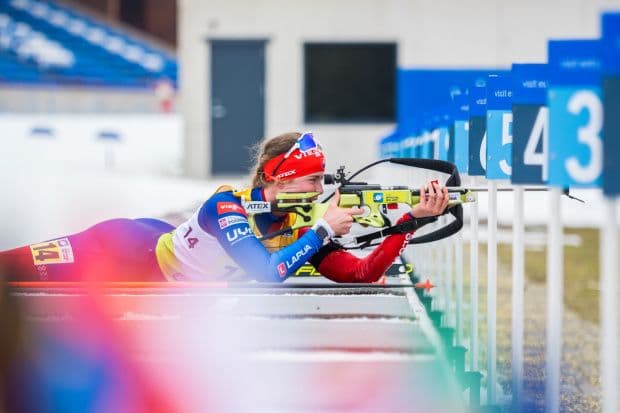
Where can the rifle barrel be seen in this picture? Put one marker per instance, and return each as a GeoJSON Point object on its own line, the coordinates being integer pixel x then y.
{"type": "Point", "coordinates": [463, 189]}
{"type": "Point", "coordinates": [502, 189]}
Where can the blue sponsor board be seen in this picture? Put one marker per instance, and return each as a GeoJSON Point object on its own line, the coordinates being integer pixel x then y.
{"type": "Point", "coordinates": [499, 127]}
{"type": "Point", "coordinates": [611, 103]}
{"type": "Point", "coordinates": [530, 116]}
{"type": "Point", "coordinates": [575, 113]}
{"type": "Point", "coordinates": [477, 128]}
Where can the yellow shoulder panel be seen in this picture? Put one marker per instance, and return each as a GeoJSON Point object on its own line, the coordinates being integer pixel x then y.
{"type": "Point", "coordinates": [224, 188]}
{"type": "Point", "coordinates": [245, 194]}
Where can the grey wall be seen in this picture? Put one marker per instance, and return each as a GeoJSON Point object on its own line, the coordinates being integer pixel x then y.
{"type": "Point", "coordinates": [448, 33]}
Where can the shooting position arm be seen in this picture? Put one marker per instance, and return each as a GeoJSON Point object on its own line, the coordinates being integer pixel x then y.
{"type": "Point", "coordinates": [341, 266]}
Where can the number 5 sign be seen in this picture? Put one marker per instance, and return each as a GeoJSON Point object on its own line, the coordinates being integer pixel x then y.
{"type": "Point", "coordinates": [499, 127]}
{"type": "Point", "coordinates": [575, 113]}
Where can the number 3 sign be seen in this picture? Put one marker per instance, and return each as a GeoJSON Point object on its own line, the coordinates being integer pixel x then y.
{"type": "Point", "coordinates": [575, 113]}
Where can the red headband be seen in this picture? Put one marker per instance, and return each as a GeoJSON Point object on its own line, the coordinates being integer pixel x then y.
{"type": "Point", "coordinates": [296, 165]}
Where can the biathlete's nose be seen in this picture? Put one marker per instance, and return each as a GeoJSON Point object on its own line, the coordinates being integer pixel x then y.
{"type": "Point", "coordinates": [318, 187]}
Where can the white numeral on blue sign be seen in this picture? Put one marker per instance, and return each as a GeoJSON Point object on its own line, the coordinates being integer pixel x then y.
{"type": "Point", "coordinates": [506, 140]}
{"type": "Point", "coordinates": [483, 152]}
{"type": "Point", "coordinates": [539, 131]}
{"type": "Point", "coordinates": [588, 135]}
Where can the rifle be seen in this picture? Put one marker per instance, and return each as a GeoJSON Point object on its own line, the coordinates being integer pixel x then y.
{"type": "Point", "coordinates": [376, 200]}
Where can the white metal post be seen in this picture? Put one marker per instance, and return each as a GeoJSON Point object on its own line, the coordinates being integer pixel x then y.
{"type": "Point", "coordinates": [518, 286]}
{"type": "Point", "coordinates": [610, 300]}
{"type": "Point", "coordinates": [473, 288]}
{"type": "Point", "coordinates": [449, 271]}
{"type": "Point", "coordinates": [555, 294]}
{"type": "Point", "coordinates": [491, 292]}
{"type": "Point", "coordinates": [459, 288]}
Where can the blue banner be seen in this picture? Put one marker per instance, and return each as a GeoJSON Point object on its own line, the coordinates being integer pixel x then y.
{"type": "Point", "coordinates": [530, 116]}
{"type": "Point", "coordinates": [575, 113]}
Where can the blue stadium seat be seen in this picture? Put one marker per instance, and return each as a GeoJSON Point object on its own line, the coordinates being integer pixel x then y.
{"type": "Point", "coordinates": [44, 42]}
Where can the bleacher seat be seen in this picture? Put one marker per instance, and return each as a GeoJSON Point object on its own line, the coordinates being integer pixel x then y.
{"type": "Point", "coordinates": [44, 42]}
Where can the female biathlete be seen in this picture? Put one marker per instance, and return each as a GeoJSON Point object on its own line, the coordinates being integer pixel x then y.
{"type": "Point", "coordinates": [221, 240]}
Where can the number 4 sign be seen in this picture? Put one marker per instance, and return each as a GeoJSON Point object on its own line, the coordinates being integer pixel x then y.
{"type": "Point", "coordinates": [530, 117]}
{"type": "Point", "coordinates": [575, 113]}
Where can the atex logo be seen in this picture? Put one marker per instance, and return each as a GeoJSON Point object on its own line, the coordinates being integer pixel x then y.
{"type": "Point", "coordinates": [230, 220]}
{"type": "Point", "coordinates": [257, 207]}
{"type": "Point", "coordinates": [238, 234]}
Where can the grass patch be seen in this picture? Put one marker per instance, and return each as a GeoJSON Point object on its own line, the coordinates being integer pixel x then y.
{"type": "Point", "coordinates": [581, 270]}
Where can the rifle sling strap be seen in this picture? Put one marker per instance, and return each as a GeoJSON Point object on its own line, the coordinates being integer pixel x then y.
{"type": "Point", "coordinates": [406, 226]}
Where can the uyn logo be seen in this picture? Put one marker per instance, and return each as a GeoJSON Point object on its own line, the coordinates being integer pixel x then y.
{"type": "Point", "coordinates": [238, 234]}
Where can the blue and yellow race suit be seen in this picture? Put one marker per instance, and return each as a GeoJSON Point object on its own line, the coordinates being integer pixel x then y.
{"type": "Point", "coordinates": [220, 242]}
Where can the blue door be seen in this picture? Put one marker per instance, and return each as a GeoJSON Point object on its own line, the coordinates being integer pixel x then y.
{"type": "Point", "coordinates": [237, 103]}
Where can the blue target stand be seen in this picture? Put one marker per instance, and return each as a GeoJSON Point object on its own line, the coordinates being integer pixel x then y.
{"type": "Point", "coordinates": [443, 135]}
{"type": "Point", "coordinates": [477, 128]}
{"type": "Point", "coordinates": [498, 167]}
{"type": "Point", "coordinates": [530, 119]}
{"type": "Point", "coordinates": [529, 166]}
{"type": "Point", "coordinates": [610, 268]}
{"type": "Point", "coordinates": [611, 93]}
{"type": "Point", "coordinates": [575, 113]}
{"type": "Point", "coordinates": [460, 148]}
{"type": "Point", "coordinates": [575, 159]}
{"type": "Point", "coordinates": [499, 127]}
{"type": "Point", "coordinates": [427, 145]}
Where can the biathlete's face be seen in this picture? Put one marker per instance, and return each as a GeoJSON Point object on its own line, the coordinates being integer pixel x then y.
{"type": "Point", "coordinates": [308, 183]}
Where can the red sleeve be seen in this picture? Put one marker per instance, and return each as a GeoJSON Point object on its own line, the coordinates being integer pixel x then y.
{"type": "Point", "coordinates": [342, 266]}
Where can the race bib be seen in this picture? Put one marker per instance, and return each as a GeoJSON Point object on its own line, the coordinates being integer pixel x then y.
{"type": "Point", "coordinates": [56, 251]}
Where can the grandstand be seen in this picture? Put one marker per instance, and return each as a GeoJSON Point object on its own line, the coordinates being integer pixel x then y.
{"type": "Point", "coordinates": [55, 45]}
{"type": "Point", "coordinates": [49, 46]}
